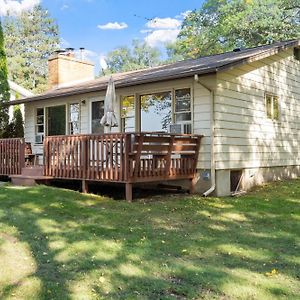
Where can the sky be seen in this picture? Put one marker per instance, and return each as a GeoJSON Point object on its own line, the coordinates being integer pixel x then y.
{"type": "Point", "coordinates": [103, 25]}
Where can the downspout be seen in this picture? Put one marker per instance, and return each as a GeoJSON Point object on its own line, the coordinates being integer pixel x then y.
{"type": "Point", "coordinates": [212, 138]}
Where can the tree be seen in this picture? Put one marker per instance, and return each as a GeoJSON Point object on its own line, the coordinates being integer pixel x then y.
{"type": "Point", "coordinates": [222, 25]}
{"type": "Point", "coordinates": [29, 39]}
{"type": "Point", "coordinates": [4, 88]}
{"type": "Point", "coordinates": [16, 127]}
{"type": "Point", "coordinates": [139, 56]}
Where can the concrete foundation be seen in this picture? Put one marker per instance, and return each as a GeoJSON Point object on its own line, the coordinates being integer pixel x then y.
{"type": "Point", "coordinates": [254, 177]}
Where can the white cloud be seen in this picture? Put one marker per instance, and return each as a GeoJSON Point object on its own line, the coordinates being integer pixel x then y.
{"type": "Point", "coordinates": [162, 36]}
{"type": "Point", "coordinates": [163, 23]}
{"type": "Point", "coordinates": [183, 15]}
{"type": "Point", "coordinates": [163, 30]}
{"type": "Point", "coordinates": [113, 26]}
{"type": "Point", "coordinates": [14, 7]}
{"type": "Point", "coordinates": [65, 6]}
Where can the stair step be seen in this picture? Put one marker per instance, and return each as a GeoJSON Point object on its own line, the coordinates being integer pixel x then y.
{"type": "Point", "coordinates": [33, 171]}
{"type": "Point", "coordinates": [21, 181]}
{"type": "Point", "coordinates": [27, 180]}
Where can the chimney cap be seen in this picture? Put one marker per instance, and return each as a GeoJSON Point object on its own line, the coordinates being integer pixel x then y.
{"type": "Point", "coordinates": [59, 51]}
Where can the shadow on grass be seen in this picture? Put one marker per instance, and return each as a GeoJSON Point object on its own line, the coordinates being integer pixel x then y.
{"type": "Point", "coordinates": [176, 248]}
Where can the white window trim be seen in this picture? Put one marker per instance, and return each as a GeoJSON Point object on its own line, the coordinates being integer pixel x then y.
{"type": "Point", "coordinates": [35, 124]}
{"type": "Point", "coordinates": [272, 107]}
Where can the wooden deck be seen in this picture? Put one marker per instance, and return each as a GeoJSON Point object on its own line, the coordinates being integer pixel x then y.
{"type": "Point", "coordinates": [126, 158]}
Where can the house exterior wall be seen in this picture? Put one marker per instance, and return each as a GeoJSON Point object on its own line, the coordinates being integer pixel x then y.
{"type": "Point", "coordinates": [201, 114]}
{"type": "Point", "coordinates": [245, 138]}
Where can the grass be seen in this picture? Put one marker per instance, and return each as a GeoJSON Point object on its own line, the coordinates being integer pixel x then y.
{"type": "Point", "coordinates": [59, 244]}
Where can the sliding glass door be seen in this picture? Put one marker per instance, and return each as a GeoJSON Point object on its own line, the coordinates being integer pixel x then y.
{"type": "Point", "coordinates": [56, 117]}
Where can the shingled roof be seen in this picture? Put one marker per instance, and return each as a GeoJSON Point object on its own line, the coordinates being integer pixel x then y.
{"type": "Point", "coordinates": [187, 68]}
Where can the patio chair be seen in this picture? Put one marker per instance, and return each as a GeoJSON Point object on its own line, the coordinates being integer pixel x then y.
{"type": "Point", "coordinates": [30, 158]}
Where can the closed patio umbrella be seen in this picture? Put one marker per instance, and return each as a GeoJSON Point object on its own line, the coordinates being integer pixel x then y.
{"type": "Point", "coordinates": [109, 119]}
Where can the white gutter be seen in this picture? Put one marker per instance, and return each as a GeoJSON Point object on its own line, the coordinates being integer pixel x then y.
{"type": "Point", "coordinates": [212, 139]}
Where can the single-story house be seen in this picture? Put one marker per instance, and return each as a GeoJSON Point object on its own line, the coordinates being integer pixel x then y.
{"type": "Point", "coordinates": [17, 92]}
{"type": "Point", "coordinates": [246, 103]}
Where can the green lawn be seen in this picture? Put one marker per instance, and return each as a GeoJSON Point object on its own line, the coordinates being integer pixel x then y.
{"type": "Point", "coordinates": [59, 244]}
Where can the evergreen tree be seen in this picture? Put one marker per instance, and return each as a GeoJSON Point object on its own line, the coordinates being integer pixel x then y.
{"type": "Point", "coordinates": [29, 40]}
{"type": "Point", "coordinates": [4, 89]}
{"type": "Point", "coordinates": [17, 125]}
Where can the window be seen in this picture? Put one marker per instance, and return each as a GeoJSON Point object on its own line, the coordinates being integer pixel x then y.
{"type": "Point", "coordinates": [128, 113]}
{"type": "Point", "coordinates": [74, 118]}
{"type": "Point", "coordinates": [39, 125]}
{"type": "Point", "coordinates": [156, 111]}
{"type": "Point", "coordinates": [56, 116]}
{"type": "Point", "coordinates": [272, 106]}
{"type": "Point", "coordinates": [183, 114]}
{"type": "Point", "coordinates": [97, 114]}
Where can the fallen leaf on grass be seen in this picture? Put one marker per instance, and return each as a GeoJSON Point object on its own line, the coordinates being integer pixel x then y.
{"type": "Point", "coordinates": [272, 273]}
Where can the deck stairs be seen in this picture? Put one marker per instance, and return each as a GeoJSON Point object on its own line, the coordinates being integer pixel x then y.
{"type": "Point", "coordinates": [30, 176]}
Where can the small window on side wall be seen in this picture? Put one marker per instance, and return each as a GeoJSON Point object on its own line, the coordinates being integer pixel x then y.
{"type": "Point", "coordinates": [74, 118]}
{"type": "Point", "coordinates": [39, 126]}
{"type": "Point", "coordinates": [183, 109]}
{"type": "Point", "coordinates": [272, 107]}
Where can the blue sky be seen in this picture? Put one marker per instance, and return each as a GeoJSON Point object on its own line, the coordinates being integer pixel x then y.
{"type": "Point", "coordinates": [102, 25]}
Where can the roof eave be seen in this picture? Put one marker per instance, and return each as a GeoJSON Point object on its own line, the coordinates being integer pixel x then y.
{"type": "Point", "coordinates": [118, 85]}
{"type": "Point", "coordinates": [260, 56]}
{"type": "Point", "coordinates": [189, 73]}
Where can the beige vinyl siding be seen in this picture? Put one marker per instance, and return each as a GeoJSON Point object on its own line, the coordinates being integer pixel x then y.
{"type": "Point", "coordinates": [244, 136]}
{"type": "Point", "coordinates": [200, 119]}
{"type": "Point", "coordinates": [202, 123]}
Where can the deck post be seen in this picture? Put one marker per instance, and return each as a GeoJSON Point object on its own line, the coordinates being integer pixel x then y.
{"type": "Point", "coordinates": [84, 187]}
{"type": "Point", "coordinates": [128, 189]}
{"type": "Point", "coordinates": [193, 182]}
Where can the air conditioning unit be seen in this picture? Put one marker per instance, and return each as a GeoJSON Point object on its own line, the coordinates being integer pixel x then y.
{"type": "Point", "coordinates": [39, 139]}
{"type": "Point", "coordinates": [176, 128]}
{"type": "Point", "coordinates": [185, 128]}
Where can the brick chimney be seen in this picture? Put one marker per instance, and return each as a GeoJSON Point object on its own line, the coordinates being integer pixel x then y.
{"type": "Point", "coordinates": [65, 69]}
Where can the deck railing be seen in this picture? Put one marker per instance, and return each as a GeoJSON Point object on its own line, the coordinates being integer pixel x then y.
{"type": "Point", "coordinates": [122, 157]}
{"type": "Point", "coordinates": [89, 157]}
{"type": "Point", "coordinates": [12, 156]}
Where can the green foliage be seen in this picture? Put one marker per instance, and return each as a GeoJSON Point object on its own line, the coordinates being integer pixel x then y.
{"type": "Point", "coordinates": [16, 127]}
{"type": "Point", "coordinates": [29, 39]}
{"type": "Point", "coordinates": [4, 88]}
{"type": "Point", "coordinates": [138, 56]}
{"type": "Point", "coordinates": [222, 25]}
